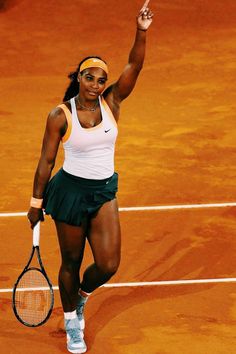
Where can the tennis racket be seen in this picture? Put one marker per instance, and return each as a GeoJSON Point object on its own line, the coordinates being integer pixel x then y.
{"type": "Point", "coordinates": [33, 296]}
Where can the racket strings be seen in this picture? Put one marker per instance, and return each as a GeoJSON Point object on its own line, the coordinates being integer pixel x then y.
{"type": "Point", "coordinates": [33, 299]}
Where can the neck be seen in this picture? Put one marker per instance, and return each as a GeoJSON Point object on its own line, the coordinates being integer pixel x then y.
{"type": "Point", "coordinates": [89, 105]}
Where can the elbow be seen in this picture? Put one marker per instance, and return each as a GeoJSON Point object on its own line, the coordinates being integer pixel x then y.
{"type": "Point", "coordinates": [51, 164]}
{"type": "Point", "coordinates": [45, 166]}
{"type": "Point", "coordinates": [139, 67]}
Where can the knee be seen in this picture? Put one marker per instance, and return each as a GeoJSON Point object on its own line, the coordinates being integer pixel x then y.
{"type": "Point", "coordinates": [109, 267]}
{"type": "Point", "coordinates": [70, 260]}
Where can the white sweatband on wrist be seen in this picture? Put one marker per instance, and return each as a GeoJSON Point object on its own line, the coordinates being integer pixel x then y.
{"type": "Point", "coordinates": [36, 202]}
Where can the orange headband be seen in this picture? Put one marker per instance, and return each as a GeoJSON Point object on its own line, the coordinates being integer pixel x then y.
{"type": "Point", "coordinates": [94, 63]}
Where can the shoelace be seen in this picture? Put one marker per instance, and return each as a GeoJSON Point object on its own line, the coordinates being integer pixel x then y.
{"type": "Point", "coordinates": [75, 335]}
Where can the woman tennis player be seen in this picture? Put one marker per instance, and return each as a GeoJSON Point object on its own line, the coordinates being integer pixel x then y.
{"type": "Point", "coordinates": [81, 197]}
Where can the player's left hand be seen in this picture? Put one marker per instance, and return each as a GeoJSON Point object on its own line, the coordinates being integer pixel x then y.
{"type": "Point", "coordinates": [145, 16]}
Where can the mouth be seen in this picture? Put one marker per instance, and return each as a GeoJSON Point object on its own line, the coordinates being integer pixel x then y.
{"type": "Point", "coordinates": [92, 93]}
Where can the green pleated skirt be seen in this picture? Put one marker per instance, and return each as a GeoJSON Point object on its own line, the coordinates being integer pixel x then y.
{"type": "Point", "coordinates": [71, 199]}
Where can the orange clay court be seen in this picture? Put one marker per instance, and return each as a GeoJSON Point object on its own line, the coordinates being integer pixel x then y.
{"type": "Point", "coordinates": [176, 147]}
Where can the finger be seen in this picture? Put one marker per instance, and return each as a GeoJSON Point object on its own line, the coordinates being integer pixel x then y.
{"type": "Point", "coordinates": [150, 14]}
{"type": "Point", "coordinates": [144, 8]}
{"type": "Point", "coordinates": [143, 12]}
{"type": "Point", "coordinates": [145, 4]}
{"type": "Point", "coordinates": [34, 223]}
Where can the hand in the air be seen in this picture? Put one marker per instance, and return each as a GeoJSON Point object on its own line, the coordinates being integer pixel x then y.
{"type": "Point", "coordinates": [145, 16]}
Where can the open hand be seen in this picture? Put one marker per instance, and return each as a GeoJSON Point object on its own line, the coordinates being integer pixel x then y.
{"type": "Point", "coordinates": [145, 16]}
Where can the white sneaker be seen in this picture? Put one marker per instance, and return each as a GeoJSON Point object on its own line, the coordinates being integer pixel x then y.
{"type": "Point", "coordinates": [75, 341]}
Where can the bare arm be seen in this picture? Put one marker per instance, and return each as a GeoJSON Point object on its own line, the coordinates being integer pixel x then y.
{"type": "Point", "coordinates": [55, 129]}
{"type": "Point", "coordinates": [126, 82]}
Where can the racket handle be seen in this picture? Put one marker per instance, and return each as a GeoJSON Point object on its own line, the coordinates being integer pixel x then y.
{"type": "Point", "coordinates": [36, 234]}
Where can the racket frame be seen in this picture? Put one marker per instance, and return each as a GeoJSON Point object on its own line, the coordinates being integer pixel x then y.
{"type": "Point", "coordinates": [36, 233]}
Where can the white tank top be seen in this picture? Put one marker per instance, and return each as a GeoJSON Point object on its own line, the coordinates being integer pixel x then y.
{"type": "Point", "coordinates": [89, 152]}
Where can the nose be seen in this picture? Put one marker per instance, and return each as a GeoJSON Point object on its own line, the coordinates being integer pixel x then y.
{"type": "Point", "coordinates": [95, 84]}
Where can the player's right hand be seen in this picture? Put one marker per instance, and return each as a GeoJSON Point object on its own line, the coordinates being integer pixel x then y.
{"type": "Point", "coordinates": [34, 216]}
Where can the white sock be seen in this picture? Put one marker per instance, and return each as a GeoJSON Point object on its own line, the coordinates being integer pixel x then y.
{"type": "Point", "coordinates": [70, 315]}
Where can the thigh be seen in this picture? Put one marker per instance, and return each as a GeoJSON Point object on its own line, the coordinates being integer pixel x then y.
{"type": "Point", "coordinates": [104, 233]}
{"type": "Point", "coordinates": [71, 240]}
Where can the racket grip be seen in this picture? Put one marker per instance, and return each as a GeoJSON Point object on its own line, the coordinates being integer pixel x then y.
{"type": "Point", "coordinates": [36, 234]}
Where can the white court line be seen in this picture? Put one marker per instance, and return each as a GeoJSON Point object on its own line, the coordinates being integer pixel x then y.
{"type": "Point", "coordinates": [154, 207]}
{"type": "Point", "coordinates": [183, 206]}
{"type": "Point", "coordinates": [6, 215]}
{"type": "Point", "coordinates": [141, 284]}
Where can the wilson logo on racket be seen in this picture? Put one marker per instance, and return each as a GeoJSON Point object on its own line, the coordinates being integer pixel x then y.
{"type": "Point", "coordinates": [33, 296]}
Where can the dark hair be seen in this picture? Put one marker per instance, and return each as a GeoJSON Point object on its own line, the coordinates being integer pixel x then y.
{"type": "Point", "coordinates": [73, 88]}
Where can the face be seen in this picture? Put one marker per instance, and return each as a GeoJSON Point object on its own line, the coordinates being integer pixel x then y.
{"type": "Point", "coordinates": [92, 83]}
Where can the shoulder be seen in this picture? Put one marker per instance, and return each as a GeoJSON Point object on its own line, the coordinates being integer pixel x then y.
{"type": "Point", "coordinates": [56, 113]}
{"type": "Point", "coordinates": [56, 118]}
{"type": "Point", "coordinates": [60, 112]}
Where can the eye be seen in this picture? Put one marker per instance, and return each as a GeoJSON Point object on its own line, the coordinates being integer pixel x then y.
{"type": "Point", "coordinates": [89, 78]}
{"type": "Point", "coordinates": [102, 81]}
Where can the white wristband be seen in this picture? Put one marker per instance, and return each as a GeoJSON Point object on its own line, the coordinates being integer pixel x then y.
{"type": "Point", "coordinates": [36, 202]}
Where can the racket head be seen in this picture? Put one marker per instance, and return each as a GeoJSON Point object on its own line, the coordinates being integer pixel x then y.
{"type": "Point", "coordinates": [33, 297]}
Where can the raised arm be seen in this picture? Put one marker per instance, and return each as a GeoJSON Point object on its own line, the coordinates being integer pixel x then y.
{"type": "Point", "coordinates": [126, 82]}
{"type": "Point", "coordinates": [55, 129]}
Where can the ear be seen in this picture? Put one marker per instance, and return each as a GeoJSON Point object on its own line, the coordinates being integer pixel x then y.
{"type": "Point", "coordinates": [79, 77]}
